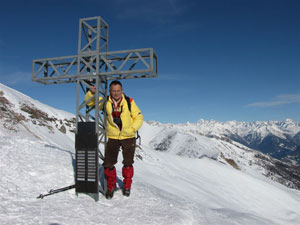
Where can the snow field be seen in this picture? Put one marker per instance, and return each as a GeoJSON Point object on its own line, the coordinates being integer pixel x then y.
{"type": "Point", "coordinates": [167, 189]}
{"type": "Point", "coordinates": [217, 187]}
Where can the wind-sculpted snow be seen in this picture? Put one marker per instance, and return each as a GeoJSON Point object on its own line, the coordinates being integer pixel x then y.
{"type": "Point", "coordinates": [187, 180]}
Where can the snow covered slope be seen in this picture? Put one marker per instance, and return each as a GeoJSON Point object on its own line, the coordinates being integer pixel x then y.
{"type": "Point", "coordinates": [187, 140]}
{"type": "Point", "coordinates": [180, 177]}
{"type": "Point", "coordinates": [25, 116]}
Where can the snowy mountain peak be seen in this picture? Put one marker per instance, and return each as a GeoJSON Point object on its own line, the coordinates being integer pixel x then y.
{"type": "Point", "coordinates": [290, 121]}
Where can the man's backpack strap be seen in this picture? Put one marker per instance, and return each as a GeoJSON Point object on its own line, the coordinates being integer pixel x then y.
{"type": "Point", "coordinates": [128, 100]}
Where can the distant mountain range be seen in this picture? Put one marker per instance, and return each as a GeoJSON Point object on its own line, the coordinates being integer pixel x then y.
{"type": "Point", "coordinates": [279, 139]}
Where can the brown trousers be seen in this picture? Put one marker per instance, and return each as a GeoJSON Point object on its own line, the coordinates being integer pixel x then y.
{"type": "Point", "coordinates": [112, 152]}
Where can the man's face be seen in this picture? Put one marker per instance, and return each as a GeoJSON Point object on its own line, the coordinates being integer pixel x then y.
{"type": "Point", "coordinates": [93, 89]}
{"type": "Point", "coordinates": [116, 91]}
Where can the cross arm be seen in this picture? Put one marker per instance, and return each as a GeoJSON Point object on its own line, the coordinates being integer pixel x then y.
{"type": "Point", "coordinates": [126, 64]}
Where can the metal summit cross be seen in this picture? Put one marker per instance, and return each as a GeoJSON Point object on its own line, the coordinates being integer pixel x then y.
{"type": "Point", "coordinates": [93, 65]}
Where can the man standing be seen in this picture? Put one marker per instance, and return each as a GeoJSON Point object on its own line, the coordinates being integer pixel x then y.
{"type": "Point", "coordinates": [124, 118]}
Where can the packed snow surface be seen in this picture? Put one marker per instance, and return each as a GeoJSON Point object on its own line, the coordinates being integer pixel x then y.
{"type": "Point", "coordinates": [168, 188]}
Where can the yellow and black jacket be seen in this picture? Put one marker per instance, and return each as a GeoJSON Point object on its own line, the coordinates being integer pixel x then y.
{"type": "Point", "coordinates": [132, 119]}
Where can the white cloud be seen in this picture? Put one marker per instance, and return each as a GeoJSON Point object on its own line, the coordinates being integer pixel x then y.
{"type": "Point", "coordinates": [278, 100]}
{"type": "Point", "coordinates": [164, 15]}
{"type": "Point", "coordinates": [15, 78]}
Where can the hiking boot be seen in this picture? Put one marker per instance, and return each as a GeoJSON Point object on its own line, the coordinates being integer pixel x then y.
{"type": "Point", "coordinates": [109, 194]}
{"type": "Point", "coordinates": [126, 192]}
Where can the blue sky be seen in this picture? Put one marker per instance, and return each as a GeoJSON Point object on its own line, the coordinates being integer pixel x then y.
{"type": "Point", "coordinates": [219, 59]}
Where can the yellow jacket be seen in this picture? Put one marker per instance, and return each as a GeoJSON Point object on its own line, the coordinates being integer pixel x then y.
{"type": "Point", "coordinates": [131, 121]}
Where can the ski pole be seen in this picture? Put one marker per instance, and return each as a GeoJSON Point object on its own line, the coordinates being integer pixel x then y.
{"type": "Point", "coordinates": [51, 192]}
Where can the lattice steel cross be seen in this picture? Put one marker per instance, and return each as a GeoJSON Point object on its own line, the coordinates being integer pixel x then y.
{"type": "Point", "coordinates": [93, 65]}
